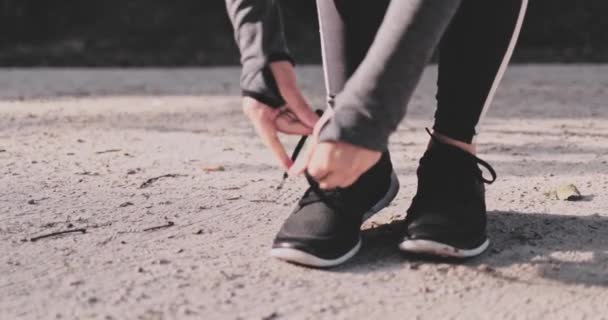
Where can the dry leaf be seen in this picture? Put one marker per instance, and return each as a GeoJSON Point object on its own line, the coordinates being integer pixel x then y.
{"type": "Point", "coordinates": [567, 192]}
{"type": "Point", "coordinates": [213, 168]}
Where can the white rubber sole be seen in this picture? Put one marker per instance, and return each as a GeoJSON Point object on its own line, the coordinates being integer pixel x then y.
{"type": "Point", "coordinates": [434, 248]}
{"type": "Point", "coordinates": [307, 259]}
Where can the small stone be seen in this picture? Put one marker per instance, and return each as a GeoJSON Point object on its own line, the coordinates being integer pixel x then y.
{"type": "Point", "coordinates": [485, 268]}
{"type": "Point", "coordinates": [77, 283]}
{"type": "Point", "coordinates": [272, 316]}
{"type": "Point", "coordinates": [126, 204]}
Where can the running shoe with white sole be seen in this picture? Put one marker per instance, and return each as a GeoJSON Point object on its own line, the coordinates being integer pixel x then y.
{"type": "Point", "coordinates": [324, 228]}
{"type": "Point", "coordinates": [447, 217]}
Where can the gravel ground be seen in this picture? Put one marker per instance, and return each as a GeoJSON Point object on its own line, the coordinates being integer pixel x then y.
{"type": "Point", "coordinates": [80, 148]}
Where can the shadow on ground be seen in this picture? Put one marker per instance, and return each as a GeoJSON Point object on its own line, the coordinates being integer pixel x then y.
{"type": "Point", "coordinates": [542, 241]}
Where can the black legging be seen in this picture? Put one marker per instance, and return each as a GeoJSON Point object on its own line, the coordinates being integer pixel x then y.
{"type": "Point", "coordinates": [473, 53]}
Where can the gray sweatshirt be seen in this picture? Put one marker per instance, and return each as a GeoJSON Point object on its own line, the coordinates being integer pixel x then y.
{"type": "Point", "coordinates": [373, 101]}
{"type": "Point", "coordinates": [259, 35]}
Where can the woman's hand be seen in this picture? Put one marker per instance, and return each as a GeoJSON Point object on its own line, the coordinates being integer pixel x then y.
{"type": "Point", "coordinates": [295, 117]}
{"type": "Point", "coordinates": [334, 164]}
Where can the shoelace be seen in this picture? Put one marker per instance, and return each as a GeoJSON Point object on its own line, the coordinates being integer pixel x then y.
{"type": "Point", "coordinates": [321, 195]}
{"type": "Point", "coordinates": [294, 156]}
{"type": "Point", "coordinates": [315, 186]}
{"type": "Point", "coordinates": [474, 158]}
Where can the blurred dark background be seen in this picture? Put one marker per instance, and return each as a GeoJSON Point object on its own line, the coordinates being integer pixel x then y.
{"type": "Point", "coordinates": [197, 32]}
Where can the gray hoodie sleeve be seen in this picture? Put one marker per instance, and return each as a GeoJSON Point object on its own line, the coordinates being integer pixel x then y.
{"type": "Point", "coordinates": [373, 101]}
{"type": "Point", "coordinates": [258, 30]}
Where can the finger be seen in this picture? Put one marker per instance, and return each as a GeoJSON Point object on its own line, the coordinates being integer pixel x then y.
{"type": "Point", "coordinates": [333, 180]}
{"type": "Point", "coordinates": [268, 133]}
{"type": "Point", "coordinates": [287, 123]}
{"type": "Point", "coordinates": [318, 173]}
{"type": "Point", "coordinates": [285, 77]}
{"type": "Point", "coordinates": [301, 164]}
{"type": "Point", "coordinates": [319, 165]}
{"type": "Point", "coordinates": [298, 105]}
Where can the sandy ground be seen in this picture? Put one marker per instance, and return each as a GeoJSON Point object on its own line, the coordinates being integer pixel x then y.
{"type": "Point", "coordinates": [77, 146]}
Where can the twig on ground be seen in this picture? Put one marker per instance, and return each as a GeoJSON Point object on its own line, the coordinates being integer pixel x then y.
{"type": "Point", "coordinates": [108, 151]}
{"type": "Point", "coordinates": [35, 201]}
{"type": "Point", "coordinates": [34, 239]}
{"type": "Point", "coordinates": [150, 181]}
{"type": "Point", "coordinates": [164, 226]}
{"type": "Point", "coordinates": [87, 173]}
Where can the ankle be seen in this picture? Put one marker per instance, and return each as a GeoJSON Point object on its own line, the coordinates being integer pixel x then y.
{"type": "Point", "coordinates": [468, 147]}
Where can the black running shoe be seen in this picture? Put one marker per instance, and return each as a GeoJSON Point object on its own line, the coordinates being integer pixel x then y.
{"type": "Point", "coordinates": [324, 228]}
{"type": "Point", "coordinates": [447, 217]}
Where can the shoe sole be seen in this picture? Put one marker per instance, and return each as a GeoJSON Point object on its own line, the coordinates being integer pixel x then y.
{"type": "Point", "coordinates": [434, 248]}
{"type": "Point", "coordinates": [306, 259]}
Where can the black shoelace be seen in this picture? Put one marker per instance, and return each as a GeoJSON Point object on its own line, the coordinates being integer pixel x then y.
{"type": "Point", "coordinates": [314, 192]}
{"type": "Point", "coordinates": [314, 185]}
{"type": "Point", "coordinates": [294, 156]}
{"type": "Point", "coordinates": [474, 158]}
